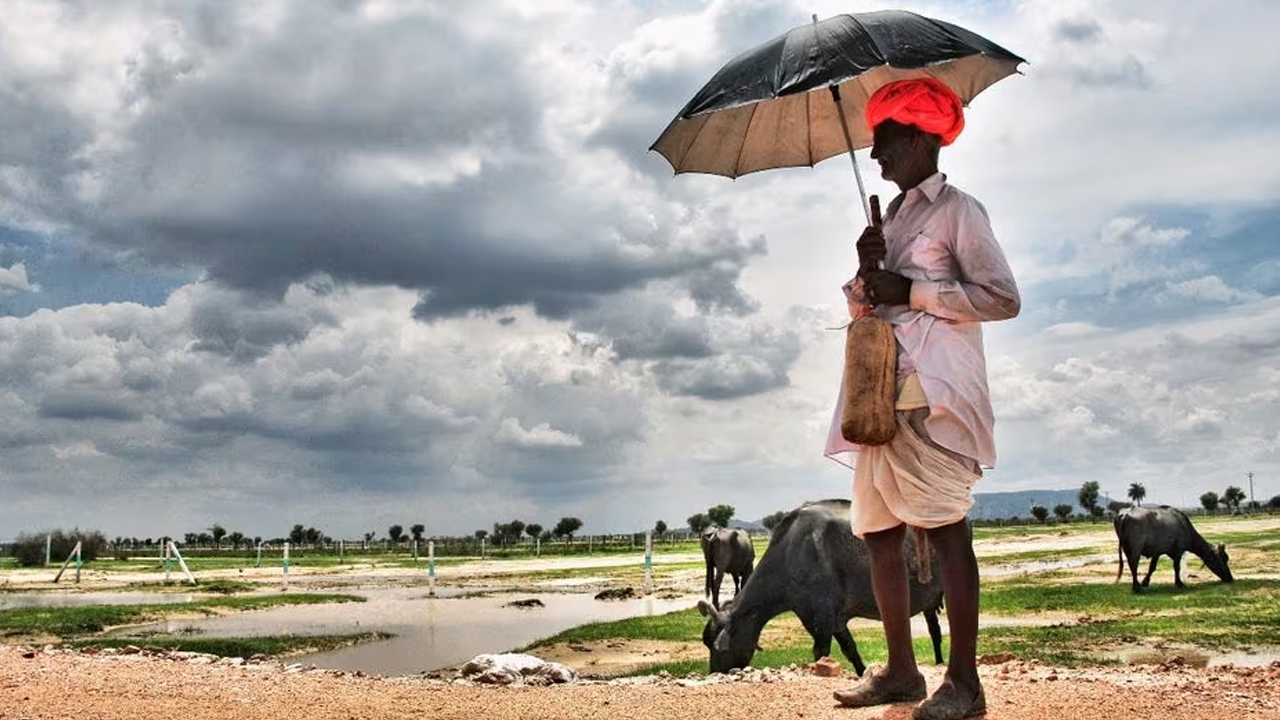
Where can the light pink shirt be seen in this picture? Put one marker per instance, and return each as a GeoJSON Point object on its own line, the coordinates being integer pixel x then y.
{"type": "Point", "coordinates": [941, 239]}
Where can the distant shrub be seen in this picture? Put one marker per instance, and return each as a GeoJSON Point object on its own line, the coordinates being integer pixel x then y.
{"type": "Point", "coordinates": [29, 548]}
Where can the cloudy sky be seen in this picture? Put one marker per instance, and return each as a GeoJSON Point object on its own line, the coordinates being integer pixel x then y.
{"type": "Point", "coordinates": [350, 264]}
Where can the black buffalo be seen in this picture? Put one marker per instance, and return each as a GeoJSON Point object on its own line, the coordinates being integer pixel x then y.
{"type": "Point", "coordinates": [1152, 532]}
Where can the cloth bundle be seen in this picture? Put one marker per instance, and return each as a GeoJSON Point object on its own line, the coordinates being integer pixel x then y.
{"type": "Point", "coordinates": [870, 381]}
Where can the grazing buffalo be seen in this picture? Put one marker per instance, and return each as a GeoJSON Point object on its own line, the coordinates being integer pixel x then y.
{"type": "Point", "coordinates": [1152, 532]}
{"type": "Point", "coordinates": [816, 567]}
{"type": "Point", "coordinates": [727, 551]}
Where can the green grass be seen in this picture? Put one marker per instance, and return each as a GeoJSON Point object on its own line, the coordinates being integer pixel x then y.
{"type": "Point", "coordinates": [678, 625]}
{"type": "Point", "coordinates": [1022, 596]}
{"type": "Point", "coordinates": [72, 622]}
{"type": "Point", "coordinates": [274, 646]}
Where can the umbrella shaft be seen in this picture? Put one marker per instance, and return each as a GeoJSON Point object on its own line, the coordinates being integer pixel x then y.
{"type": "Point", "coordinates": [848, 139]}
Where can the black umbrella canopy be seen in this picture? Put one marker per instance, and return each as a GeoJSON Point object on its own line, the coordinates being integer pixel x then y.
{"type": "Point", "coordinates": [756, 113]}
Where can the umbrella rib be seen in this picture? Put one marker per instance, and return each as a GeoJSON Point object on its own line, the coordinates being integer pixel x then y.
{"type": "Point", "coordinates": [737, 163]}
{"type": "Point", "coordinates": [808, 127]}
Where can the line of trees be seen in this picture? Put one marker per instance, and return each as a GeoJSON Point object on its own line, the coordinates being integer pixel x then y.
{"type": "Point", "coordinates": [509, 533]}
{"type": "Point", "coordinates": [1230, 499]}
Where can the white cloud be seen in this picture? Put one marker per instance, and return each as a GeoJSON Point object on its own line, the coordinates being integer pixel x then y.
{"type": "Point", "coordinates": [1210, 288]}
{"type": "Point", "coordinates": [14, 278]}
{"type": "Point", "coordinates": [510, 432]}
{"type": "Point", "coordinates": [84, 449]}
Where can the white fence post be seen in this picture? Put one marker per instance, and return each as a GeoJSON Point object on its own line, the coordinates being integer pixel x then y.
{"type": "Point", "coordinates": [182, 563]}
{"type": "Point", "coordinates": [648, 563]}
{"type": "Point", "coordinates": [431, 568]}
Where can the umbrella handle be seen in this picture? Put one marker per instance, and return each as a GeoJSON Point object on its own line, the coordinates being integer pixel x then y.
{"type": "Point", "coordinates": [848, 141]}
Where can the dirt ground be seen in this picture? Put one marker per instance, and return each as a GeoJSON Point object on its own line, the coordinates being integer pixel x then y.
{"type": "Point", "coordinates": [59, 685]}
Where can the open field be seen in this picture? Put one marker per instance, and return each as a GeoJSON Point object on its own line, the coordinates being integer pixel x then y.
{"type": "Point", "coordinates": [1057, 631]}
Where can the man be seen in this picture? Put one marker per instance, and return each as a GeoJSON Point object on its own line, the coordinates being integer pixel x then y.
{"type": "Point", "coordinates": [943, 274]}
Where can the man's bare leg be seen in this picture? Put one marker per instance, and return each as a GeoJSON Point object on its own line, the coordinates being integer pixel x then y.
{"type": "Point", "coordinates": [900, 680]}
{"type": "Point", "coordinates": [959, 694]}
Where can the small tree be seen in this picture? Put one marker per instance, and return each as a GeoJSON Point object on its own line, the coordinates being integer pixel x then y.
{"type": "Point", "coordinates": [1088, 497]}
{"type": "Point", "coordinates": [1115, 506]}
{"type": "Point", "coordinates": [515, 529]}
{"type": "Point", "coordinates": [567, 527]}
{"type": "Point", "coordinates": [1232, 497]}
{"type": "Point", "coordinates": [698, 523]}
{"type": "Point", "coordinates": [217, 532]}
{"type": "Point", "coordinates": [721, 515]}
{"type": "Point", "coordinates": [297, 534]}
{"type": "Point", "coordinates": [235, 538]}
{"type": "Point", "coordinates": [1136, 493]}
{"type": "Point", "coordinates": [1274, 503]}
{"type": "Point", "coordinates": [1210, 501]}
{"type": "Point", "coordinates": [1062, 511]}
{"type": "Point", "coordinates": [1040, 513]}
{"type": "Point", "coordinates": [417, 530]}
{"type": "Point", "coordinates": [395, 533]}
{"type": "Point", "coordinates": [771, 521]}
{"type": "Point", "coordinates": [533, 530]}
{"type": "Point", "coordinates": [482, 534]}
{"type": "Point", "coordinates": [659, 528]}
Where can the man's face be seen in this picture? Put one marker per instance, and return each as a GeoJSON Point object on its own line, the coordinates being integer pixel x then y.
{"type": "Point", "coordinates": [900, 150]}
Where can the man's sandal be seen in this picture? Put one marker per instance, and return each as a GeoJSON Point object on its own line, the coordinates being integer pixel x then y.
{"type": "Point", "coordinates": [946, 704]}
{"type": "Point", "coordinates": [875, 690]}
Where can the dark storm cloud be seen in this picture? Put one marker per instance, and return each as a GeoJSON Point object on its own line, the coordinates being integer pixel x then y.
{"type": "Point", "coordinates": [746, 364]}
{"type": "Point", "coordinates": [66, 404]}
{"type": "Point", "coordinates": [411, 153]}
{"type": "Point", "coordinates": [647, 330]}
{"type": "Point", "coordinates": [228, 325]}
{"type": "Point", "coordinates": [1078, 30]}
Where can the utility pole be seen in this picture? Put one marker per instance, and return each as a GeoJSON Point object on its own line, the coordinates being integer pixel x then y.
{"type": "Point", "coordinates": [1251, 503]}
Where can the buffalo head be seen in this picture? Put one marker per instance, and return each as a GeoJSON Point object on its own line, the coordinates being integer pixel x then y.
{"type": "Point", "coordinates": [730, 646]}
{"type": "Point", "coordinates": [1217, 563]}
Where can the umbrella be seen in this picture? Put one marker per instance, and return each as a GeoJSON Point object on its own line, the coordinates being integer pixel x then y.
{"type": "Point", "coordinates": [758, 113]}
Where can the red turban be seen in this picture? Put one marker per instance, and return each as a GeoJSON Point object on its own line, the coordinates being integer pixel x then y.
{"type": "Point", "coordinates": [926, 103]}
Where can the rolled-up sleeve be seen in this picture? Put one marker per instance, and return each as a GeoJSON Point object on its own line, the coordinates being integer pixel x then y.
{"type": "Point", "coordinates": [985, 289]}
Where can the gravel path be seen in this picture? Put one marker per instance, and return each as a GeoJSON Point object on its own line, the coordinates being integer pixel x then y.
{"type": "Point", "coordinates": [48, 684]}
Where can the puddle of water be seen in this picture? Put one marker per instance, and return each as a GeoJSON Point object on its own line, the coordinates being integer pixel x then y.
{"type": "Point", "coordinates": [10, 601]}
{"type": "Point", "coordinates": [431, 633]}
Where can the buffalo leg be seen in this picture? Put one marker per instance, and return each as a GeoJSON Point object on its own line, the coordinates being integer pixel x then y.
{"type": "Point", "coordinates": [935, 634]}
{"type": "Point", "coordinates": [1133, 557]}
{"type": "Point", "coordinates": [1146, 581]}
{"type": "Point", "coordinates": [850, 649]}
{"type": "Point", "coordinates": [1177, 570]}
{"type": "Point", "coordinates": [715, 588]}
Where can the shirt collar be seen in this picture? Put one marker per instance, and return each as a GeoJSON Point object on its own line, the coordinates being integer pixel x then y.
{"type": "Point", "coordinates": [932, 185]}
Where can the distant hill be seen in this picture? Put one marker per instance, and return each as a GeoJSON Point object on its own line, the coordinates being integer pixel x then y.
{"type": "Point", "coordinates": [1000, 505]}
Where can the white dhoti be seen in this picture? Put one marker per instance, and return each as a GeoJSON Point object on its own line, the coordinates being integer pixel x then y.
{"type": "Point", "coordinates": [910, 479]}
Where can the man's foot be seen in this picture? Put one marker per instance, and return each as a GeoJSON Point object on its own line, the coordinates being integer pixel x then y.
{"type": "Point", "coordinates": [880, 689]}
{"type": "Point", "coordinates": [950, 703]}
